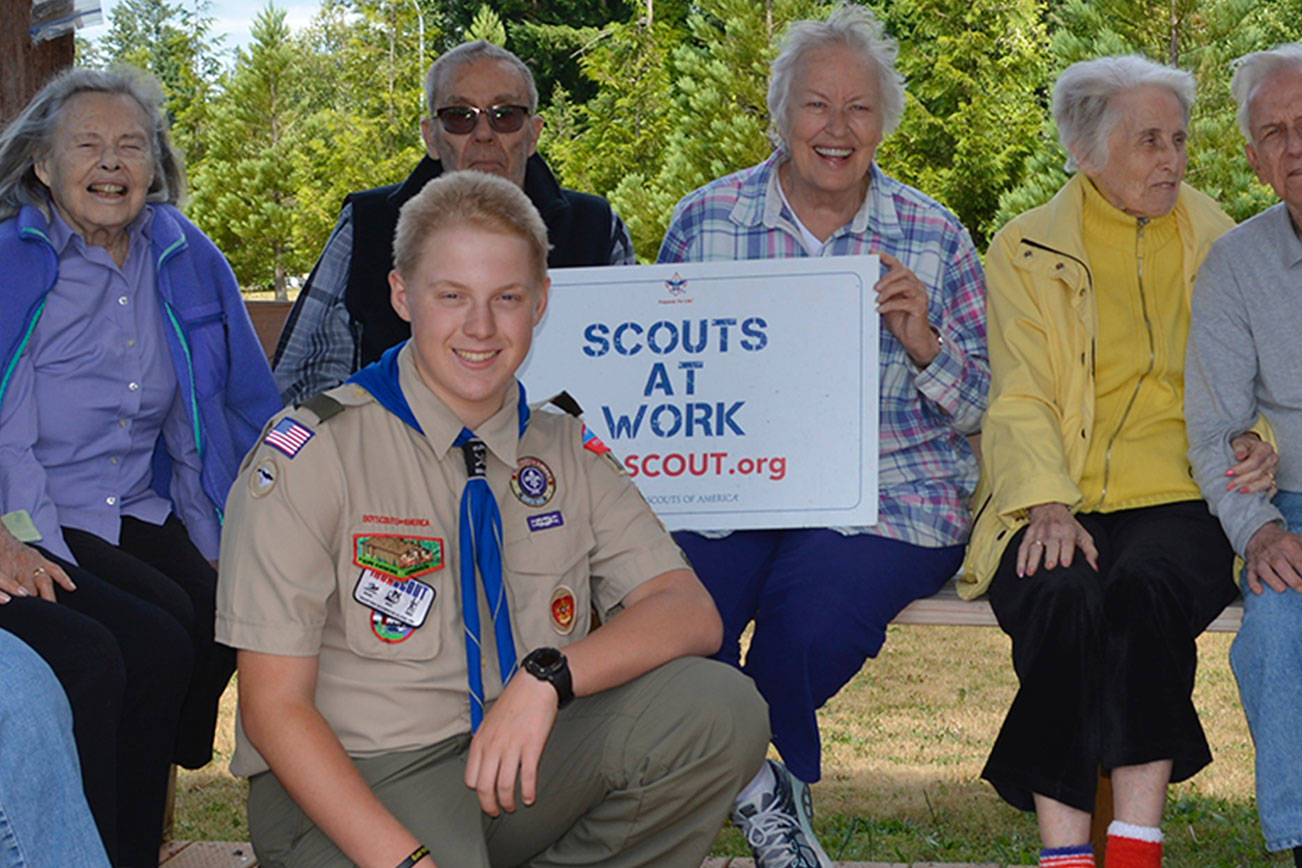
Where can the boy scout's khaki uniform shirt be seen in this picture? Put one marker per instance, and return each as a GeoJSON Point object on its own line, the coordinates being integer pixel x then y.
{"type": "Point", "coordinates": [366, 494]}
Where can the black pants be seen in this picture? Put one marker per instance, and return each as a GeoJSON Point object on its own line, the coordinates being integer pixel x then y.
{"type": "Point", "coordinates": [125, 666]}
{"type": "Point", "coordinates": [159, 564]}
{"type": "Point", "coordinates": [1106, 660]}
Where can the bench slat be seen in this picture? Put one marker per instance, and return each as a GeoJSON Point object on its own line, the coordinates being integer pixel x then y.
{"type": "Point", "coordinates": [946, 609]}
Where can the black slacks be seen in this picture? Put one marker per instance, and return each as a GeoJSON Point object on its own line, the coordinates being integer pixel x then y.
{"type": "Point", "coordinates": [125, 666]}
{"type": "Point", "coordinates": [160, 565]}
{"type": "Point", "coordinates": [1105, 660]}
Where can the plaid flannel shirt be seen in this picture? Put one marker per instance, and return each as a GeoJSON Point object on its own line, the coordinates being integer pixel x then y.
{"type": "Point", "coordinates": [927, 470]}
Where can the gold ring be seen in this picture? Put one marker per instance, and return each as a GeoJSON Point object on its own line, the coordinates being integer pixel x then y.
{"type": "Point", "coordinates": [38, 571]}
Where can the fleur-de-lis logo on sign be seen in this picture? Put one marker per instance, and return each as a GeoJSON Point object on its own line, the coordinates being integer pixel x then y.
{"type": "Point", "coordinates": [677, 285]}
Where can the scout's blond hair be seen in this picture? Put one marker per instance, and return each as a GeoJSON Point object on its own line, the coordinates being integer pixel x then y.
{"type": "Point", "coordinates": [469, 198]}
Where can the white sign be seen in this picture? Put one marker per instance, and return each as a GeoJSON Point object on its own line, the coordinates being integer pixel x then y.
{"type": "Point", "coordinates": [736, 394]}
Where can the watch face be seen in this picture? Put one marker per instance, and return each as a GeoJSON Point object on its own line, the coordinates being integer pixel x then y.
{"type": "Point", "coordinates": [546, 659]}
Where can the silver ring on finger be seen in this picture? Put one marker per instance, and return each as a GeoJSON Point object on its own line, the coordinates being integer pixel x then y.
{"type": "Point", "coordinates": [36, 572]}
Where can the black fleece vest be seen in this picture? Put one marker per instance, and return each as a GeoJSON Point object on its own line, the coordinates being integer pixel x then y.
{"type": "Point", "coordinates": [578, 227]}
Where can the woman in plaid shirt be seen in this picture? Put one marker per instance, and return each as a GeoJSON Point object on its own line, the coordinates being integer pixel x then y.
{"type": "Point", "coordinates": [821, 598]}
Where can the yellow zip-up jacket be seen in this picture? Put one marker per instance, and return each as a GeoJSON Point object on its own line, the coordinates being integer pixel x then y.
{"type": "Point", "coordinates": [1043, 321]}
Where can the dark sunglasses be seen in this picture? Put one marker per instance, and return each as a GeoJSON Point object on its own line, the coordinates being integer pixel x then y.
{"type": "Point", "coordinates": [461, 119]}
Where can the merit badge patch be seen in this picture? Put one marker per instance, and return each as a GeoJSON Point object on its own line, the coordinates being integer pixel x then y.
{"type": "Point", "coordinates": [408, 602]}
{"type": "Point", "coordinates": [544, 520]}
{"type": "Point", "coordinates": [398, 557]}
{"type": "Point", "coordinates": [289, 436]}
{"type": "Point", "coordinates": [562, 607]}
{"type": "Point", "coordinates": [263, 478]}
{"type": "Point", "coordinates": [388, 630]}
{"type": "Point", "coordinates": [533, 483]}
{"type": "Point", "coordinates": [592, 442]}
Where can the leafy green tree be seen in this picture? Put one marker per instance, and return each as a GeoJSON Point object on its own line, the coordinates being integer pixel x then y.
{"type": "Point", "coordinates": [362, 99]}
{"type": "Point", "coordinates": [975, 70]}
{"type": "Point", "coordinates": [541, 33]}
{"type": "Point", "coordinates": [486, 25]}
{"type": "Point", "coordinates": [247, 190]}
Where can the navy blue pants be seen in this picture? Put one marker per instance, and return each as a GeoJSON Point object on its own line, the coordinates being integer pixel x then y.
{"type": "Point", "coordinates": [820, 602]}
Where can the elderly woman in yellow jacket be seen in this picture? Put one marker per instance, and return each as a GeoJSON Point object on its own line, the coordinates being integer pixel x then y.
{"type": "Point", "coordinates": [1100, 558]}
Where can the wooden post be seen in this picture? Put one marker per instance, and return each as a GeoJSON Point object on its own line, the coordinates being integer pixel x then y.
{"type": "Point", "coordinates": [1102, 817]}
{"type": "Point", "coordinates": [26, 66]}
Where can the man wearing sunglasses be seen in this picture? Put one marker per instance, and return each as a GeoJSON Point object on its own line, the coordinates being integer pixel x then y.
{"type": "Point", "coordinates": [483, 102]}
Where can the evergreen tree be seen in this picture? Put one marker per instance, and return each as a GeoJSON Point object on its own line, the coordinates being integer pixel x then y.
{"type": "Point", "coordinates": [246, 191]}
{"type": "Point", "coordinates": [486, 25]}
{"type": "Point", "coordinates": [975, 71]}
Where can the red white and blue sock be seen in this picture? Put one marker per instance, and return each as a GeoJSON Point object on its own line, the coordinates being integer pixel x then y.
{"type": "Point", "coordinates": [1081, 856]}
{"type": "Point", "coordinates": [1131, 846]}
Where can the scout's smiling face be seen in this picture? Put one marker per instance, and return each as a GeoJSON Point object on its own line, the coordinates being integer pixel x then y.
{"type": "Point", "coordinates": [473, 299]}
{"type": "Point", "coordinates": [100, 167]}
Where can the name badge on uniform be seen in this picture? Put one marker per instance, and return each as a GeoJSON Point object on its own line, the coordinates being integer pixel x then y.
{"type": "Point", "coordinates": [408, 602]}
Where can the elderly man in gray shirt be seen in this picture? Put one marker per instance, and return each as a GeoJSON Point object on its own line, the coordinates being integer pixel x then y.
{"type": "Point", "coordinates": [1245, 361]}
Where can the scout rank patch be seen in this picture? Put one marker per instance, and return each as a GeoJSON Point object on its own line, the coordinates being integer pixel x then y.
{"type": "Point", "coordinates": [562, 610]}
{"type": "Point", "coordinates": [263, 478]}
{"type": "Point", "coordinates": [532, 483]}
{"type": "Point", "coordinates": [289, 436]}
{"type": "Point", "coordinates": [398, 557]}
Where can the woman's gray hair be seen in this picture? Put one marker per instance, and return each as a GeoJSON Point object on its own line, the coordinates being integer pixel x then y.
{"type": "Point", "coordinates": [468, 52]}
{"type": "Point", "coordinates": [849, 25]}
{"type": "Point", "coordinates": [30, 136]}
{"type": "Point", "coordinates": [1251, 70]}
{"type": "Point", "coordinates": [1084, 101]}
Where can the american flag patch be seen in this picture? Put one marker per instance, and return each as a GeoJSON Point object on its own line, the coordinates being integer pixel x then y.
{"type": "Point", "coordinates": [289, 436]}
{"type": "Point", "coordinates": [593, 443]}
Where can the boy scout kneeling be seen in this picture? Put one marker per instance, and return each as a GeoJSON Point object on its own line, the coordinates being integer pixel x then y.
{"type": "Point", "coordinates": [374, 719]}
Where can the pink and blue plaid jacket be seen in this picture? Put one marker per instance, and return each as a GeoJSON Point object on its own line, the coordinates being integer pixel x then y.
{"type": "Point", "coordinates": [927, 470]}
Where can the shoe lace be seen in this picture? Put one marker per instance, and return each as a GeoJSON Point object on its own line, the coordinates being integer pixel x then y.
{"type": "Point", "coordinates": [772, 832]}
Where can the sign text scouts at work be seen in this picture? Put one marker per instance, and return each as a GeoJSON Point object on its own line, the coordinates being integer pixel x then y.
{"type": "Point", "coordinates": [736, 394]}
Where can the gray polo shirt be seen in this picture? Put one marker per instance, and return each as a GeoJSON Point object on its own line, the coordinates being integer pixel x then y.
{"type": "Point", "coordinates": [1244, 360]}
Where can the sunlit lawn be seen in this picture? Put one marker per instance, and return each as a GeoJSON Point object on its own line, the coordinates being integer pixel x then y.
{"type": "Point", "coordinates": [903, 748]}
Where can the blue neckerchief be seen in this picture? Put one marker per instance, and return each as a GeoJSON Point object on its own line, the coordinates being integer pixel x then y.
{"type": "Point", "coordinates": [380, 378]}
{"type": "Point", "coordinates": [479, 531]}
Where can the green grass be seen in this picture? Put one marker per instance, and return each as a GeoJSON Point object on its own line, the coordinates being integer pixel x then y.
{"type": "Point", "coordinates": [903, 746]}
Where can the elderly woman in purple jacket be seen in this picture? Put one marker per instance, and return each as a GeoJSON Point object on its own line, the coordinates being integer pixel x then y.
{"type": "Point", "coordinates": [131, 385]}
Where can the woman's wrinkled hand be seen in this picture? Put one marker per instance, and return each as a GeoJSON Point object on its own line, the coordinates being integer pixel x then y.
{"type": "Point", "coordinates": [25, 572]}
{"type": "Point", "coordinates": [902, 303]}
{"type": "Point", "coordinates": [1257, 462]}
{"type": "Point", "coordinates": [1052, 538]}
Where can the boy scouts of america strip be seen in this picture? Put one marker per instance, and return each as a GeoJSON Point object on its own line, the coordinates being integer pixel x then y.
{"type": "Point", "coordinates": [289, 436]}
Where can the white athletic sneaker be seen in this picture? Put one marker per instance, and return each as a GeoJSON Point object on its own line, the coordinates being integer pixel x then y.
{"type": "Point", "coordinates": [778, 824]}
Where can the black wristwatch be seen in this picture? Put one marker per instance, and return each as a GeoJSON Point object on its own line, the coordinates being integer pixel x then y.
{"type": "Point", "coordinates": [550, 665]}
